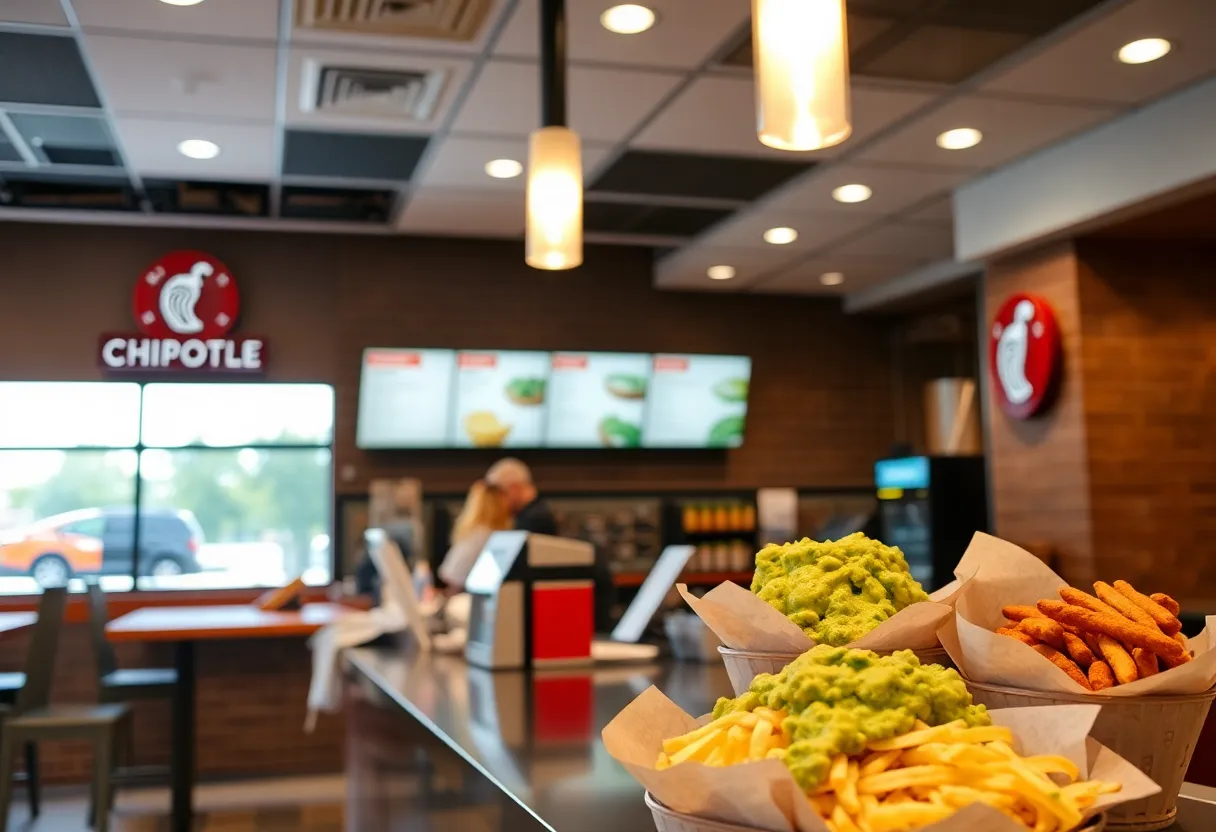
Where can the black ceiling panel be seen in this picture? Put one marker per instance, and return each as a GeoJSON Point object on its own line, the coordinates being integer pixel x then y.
{"type": "Point", "coordinates": [8, 153]}
{"type": "Point", "coordinates": [67, 140]}
{"type": "Point", "coordinates": [228, 199]}
{"type": "Point", "coordinates": [336, 204]}
{"type": "Point", "coordinates": [686, 174]}
{"type": "Point", "coordinates": [67, 192]}
{"type": "Point", "coordinates": [652, 220]}
{"type": "Point", "coordinates": [352, 155]}
{"type": "Point", "coordinates": [44, 69]}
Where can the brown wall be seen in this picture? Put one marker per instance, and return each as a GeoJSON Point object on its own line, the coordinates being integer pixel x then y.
{"type": "Point", "coordinates": [821, 409]}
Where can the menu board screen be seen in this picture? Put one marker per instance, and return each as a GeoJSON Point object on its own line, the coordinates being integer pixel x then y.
{"type": "Point", "coordinates": [500, 399]}
{"type": "Point", "coordinates": [697, 401]}
{"type": "Point", "coordinates": [403, 398]}
{"type": "Point", "coordinates": [597, 399]}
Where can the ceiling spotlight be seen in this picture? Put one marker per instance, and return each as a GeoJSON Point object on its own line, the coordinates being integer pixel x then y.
{"type": "Point", "coordinates": [780, 236]}
{"type": "Point", "coordinates": [852, 193]}
{"type": "Point", "coordinates": [721, 272]}
{"type": "Point", "coordinates": [831, 278]}
{"type": "Point", "coordinates": [198, 149]}
{"type": "Point", "coordinates": [960, 138]}
{"type": "Point", "coordinates": [1144, 50]}
{"type": "Point", "coordinates": [503, 168]}
{"type": "Point", "coordinates": [181, 2]}
{"type": "Point", "coordinates": [627, 19]}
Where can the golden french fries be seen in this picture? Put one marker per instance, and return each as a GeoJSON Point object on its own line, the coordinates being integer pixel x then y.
{"type": "Point", "coordinates": [735, 738]}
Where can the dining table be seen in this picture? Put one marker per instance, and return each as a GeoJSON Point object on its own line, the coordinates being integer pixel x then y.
{"type": "Point", "coordinates": [184, 627]}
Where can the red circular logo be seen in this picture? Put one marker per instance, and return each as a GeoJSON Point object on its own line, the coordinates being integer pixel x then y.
{"type": "Point", "coordinates": [1024, 355]}
{"type": "Point", "coordinates": [186, 293]}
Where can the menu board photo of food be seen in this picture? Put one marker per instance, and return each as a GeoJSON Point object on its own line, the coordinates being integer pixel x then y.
{"type": "Point", "coordinates": [500, 399]}
{"type": "Point", "coordinates": [597, 400]}
{"type": "Point", "coordinates": [403, 398]}
{"type": "Point", "coordinates": [697, 401]}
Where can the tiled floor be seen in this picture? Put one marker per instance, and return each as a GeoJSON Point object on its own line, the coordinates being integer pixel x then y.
{"type": "Point", "coordinates": [313, 804]}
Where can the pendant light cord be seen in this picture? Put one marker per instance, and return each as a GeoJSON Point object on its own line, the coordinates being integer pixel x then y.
{"type": "Point", "coordinates": [553, 63]}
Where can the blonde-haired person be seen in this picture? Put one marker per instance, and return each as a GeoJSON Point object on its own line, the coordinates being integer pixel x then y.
{"type": "Point", "coordinates": [485, 511]}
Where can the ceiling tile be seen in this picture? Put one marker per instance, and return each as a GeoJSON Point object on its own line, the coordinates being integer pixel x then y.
{"type": "Point", "coordinates": [67, 140]}
{"type": "Point", "coordinates": [717, 114]}
{"type": "Point", "coordinates": [246, 150]}
{"type": "Point", "coordinates": [367, 38]}
{"type": "Point", "coordinates": [351, 155]}
{"type": "Point", "coordinates": [686, 269]}
{"type": "Point", "coordinates": [460, 162]}
{"type": "Point", "coordinates": [746, 230]}
{"type": "Point", "coordinates": [605, 104]}
{"type": "Point", "coordinates": [438, 80]}
{"type": "Point", "coordinates": [899, 240]}
{"type": "Point", "coordinates": [1011, 129]}
{"type": "Point", "coordinates": [465, 213]}
{"type": "Point", "coordinates": [243, 19]}
{"type": "Point", "coordinates": [694, 175]}
{"type": "Point", "coordinates": [1083, 65]}
{"type": "Point", "coordinates": [934, 212]}
{"type": "Point", "coordinates": [44, 69]}
{"type": "Point", "coordinates": [895, 188]}
{"type": "Point", "coordinates": [860, 272]}
{"type": "Point", "coordinates": [670, 221]}
{"type": "Point", "coordinates": [684, 35]}
{"type": "Point", "coordinates": [42, 12]}
{"type": "Point", "coordinates": [165, 77]}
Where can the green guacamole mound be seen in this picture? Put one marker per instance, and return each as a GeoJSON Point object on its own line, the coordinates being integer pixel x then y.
{"type": "Point", "coordinates": [835, 591]}
{"type": "Point", "coordinates": [839, 699]}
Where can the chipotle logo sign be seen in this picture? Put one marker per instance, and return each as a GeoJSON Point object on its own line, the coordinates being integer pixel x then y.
{"type": "Point", "coordinates": [1024, 354]}
{"type": "Point", "coordinates": [185, 306]}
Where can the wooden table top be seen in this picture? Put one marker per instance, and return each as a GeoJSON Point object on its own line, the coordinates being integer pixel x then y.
{"type": "Point", "coordinates": [13, 622]}
{"type": "Point", "coordinates": [232, 621]}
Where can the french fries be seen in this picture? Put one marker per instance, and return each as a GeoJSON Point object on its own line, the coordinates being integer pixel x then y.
{"type": "Point", "coordinates": [1114, 637]}
{"type": "Point", "coordinates": [926, 775]}
{"type": "Point", "coordinates": [735, 738]}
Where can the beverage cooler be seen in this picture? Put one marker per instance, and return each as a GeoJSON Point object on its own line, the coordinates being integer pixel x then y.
{"type": "Point", "coordinates": [930, 506]}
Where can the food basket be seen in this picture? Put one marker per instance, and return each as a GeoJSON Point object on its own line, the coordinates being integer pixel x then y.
{"type": "Point", "coordinates": [1156, 733]}
{"type": "Point", "coordinates": [665, 820]}
{"type": "Point", "coordinates": [744, 665]}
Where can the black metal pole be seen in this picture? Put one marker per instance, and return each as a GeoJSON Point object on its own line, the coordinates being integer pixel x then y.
{"type": "Point", "coordinates": [553, 63]}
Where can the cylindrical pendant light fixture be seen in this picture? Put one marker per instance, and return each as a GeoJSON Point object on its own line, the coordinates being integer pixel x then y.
{"type": "Point", "coordinates": [555, 167]}
{"type": "Point", "coordinates": [802, 73]}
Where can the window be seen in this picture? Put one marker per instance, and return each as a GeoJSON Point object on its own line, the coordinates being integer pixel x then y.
{"type": "Point", "coordinates": [230, 485]}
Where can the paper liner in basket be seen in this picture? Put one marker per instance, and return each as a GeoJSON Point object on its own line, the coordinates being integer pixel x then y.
{"type": "Point", "coordinates": [763, 795]}
{"type": "Point", "coordinates": [745, 622]}
{"type": "Point", "coordinates": [1001, 574]}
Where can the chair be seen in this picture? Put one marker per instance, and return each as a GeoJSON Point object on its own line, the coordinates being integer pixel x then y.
{"type": "Point", "coordinates": [34, 719]}
{"type": "Point", "coordinates": [113, 683]}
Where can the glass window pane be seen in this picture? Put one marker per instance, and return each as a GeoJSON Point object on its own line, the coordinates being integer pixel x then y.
{"type": "Point", "coordinates": [226, 415]}
{"type": "Point", "coordinates": [57, 518]}
{"type": "Point", "coordinates": [235, 517]}
{"type": "Point", "coordinates": [68, 414]}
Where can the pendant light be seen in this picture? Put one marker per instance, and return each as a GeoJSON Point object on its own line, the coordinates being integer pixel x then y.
{"type": "Point", "coordinates": [555, 166]}
{"type": "Point", "coordinates": [802, 73]}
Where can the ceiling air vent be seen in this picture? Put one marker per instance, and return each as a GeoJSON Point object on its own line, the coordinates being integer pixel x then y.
{"type": "Point", "coordinates": [441, 19]}
{"type": "Point", "coordinates": [364, 91]}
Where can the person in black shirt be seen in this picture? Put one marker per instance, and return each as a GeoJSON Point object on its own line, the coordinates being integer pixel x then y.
{"type": "Point", "coordinates": [514, 479]}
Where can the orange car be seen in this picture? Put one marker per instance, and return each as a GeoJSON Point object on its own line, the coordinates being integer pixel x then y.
{"type": "Point", "coordinates": [100, 541]}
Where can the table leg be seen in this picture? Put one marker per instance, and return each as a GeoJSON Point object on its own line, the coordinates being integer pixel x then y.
{"type": "Point", "coordinates": [182, 782]}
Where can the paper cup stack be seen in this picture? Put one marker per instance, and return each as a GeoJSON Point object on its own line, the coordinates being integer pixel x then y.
{"type": "Point", "coordinates": [1153, 722]}
{"type": "Point", "coordinates": [757, 639]}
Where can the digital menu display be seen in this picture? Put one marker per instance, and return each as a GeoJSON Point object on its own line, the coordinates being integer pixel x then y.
{"type": "Point", "coordinates": [404, 398]}
{"type": "Point", "coordinates": [597, 399]}
{"type": "Point", "coordinates": [425, 398]}
{"type": "Point", "coordinates": [697, 401]}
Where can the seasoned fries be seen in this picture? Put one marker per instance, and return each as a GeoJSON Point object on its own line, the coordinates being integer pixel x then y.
{"type": "Point", "coordinates": [1114, 637]}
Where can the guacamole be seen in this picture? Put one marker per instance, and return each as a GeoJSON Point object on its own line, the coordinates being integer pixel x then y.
{"type": "Point", "coordinates": [839, 699]}
{"type": "Point", "coordinates": [835, 591]}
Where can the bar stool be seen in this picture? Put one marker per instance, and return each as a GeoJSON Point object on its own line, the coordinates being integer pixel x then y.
{"type": "Point", "coordinates": [35, 719]}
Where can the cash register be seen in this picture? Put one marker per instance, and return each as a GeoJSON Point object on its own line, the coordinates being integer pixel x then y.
{"type": "Point", "coordinates": [532, 602]}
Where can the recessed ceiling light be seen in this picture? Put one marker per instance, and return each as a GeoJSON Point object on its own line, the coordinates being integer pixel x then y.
{"type": "Point", "coordinates": [1144, 50]}
{"type": "Point", "coordinates": [721, 272]}
{"type": "Point", "coordinates": [504, 168]}
{"type": "Point", "coordinates": [181, 2]}
{"type": "Point", "coordinates": [627, 19]}
{"type": "Point", "coordinates": [780, 236]}
{"type": "Point", "coordinates": [960, 138]}
{"type": "Point", "coordinates": [852, 193]}
{"type": "Point", "coordinates": [198, 149]}
{"type": "Point", "coordinates": [831, 278]}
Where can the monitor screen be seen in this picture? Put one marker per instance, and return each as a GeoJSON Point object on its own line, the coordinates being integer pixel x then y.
{"type": "Point", "coordinates": [499, 399]}
{"type": "Point", "coordinates": [404, 398]}
{"type": "Point", "coordinates": [597, 399]}
{"type": "Point", "coordinates": [697, 401]}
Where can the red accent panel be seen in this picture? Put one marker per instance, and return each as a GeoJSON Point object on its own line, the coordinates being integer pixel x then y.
{"type": "Point", "coordinates": [562, 708]}
{"type": "Point", "coordinates": [563, 620]}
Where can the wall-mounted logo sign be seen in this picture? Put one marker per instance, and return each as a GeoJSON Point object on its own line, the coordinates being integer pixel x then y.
{"type": "Point", "coordinates": [1024, 355]}
{"type": "Point", "coordinates": [185, 305]}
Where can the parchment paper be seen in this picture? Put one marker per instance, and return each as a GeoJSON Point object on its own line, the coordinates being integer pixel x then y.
{"type": "Point", "coordinates": [764, 796]}
{"type": "Point", "coordinates": [744, 622]}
